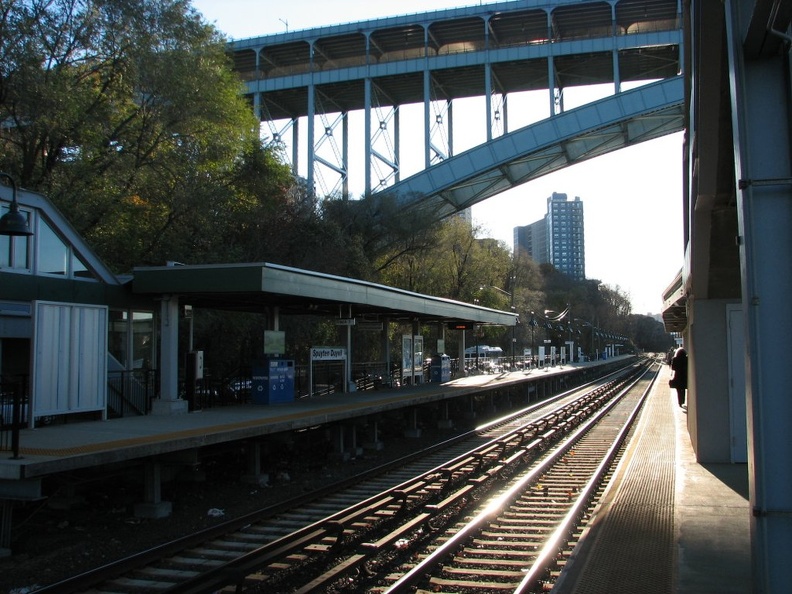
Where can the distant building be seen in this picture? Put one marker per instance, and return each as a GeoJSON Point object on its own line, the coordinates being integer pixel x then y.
{"type": "Point", "coordinates": [532, 240]}
{"type": "Point", "coordinates": [466, 215]}
{"type": "Point", "coordinates": [558, 238]}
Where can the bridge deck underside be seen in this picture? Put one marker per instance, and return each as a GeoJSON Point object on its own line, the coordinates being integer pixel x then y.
{"type": "Point", "coordinates": [459, 82]}
{"type": "Point", "coordinates": [456, 46]}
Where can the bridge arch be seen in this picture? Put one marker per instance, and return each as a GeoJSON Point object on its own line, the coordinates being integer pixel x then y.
{"type": "Point", "coordinates": [622, 120]}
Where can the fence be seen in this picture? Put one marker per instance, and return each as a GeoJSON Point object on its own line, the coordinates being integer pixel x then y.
{"type": "Point", "coordinates": [13, 412]}
{"type": "Point", "coordinates": [131, 392]}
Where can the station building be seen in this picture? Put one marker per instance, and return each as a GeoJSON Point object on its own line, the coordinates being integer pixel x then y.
{"type": "Point", "coordinates": [73, 335]}
{"type": "Point", "coordinates": [67, 322]}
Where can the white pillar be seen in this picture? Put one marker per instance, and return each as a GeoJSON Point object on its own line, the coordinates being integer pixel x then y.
{"type": "Point", "coordinates": [169, 401]}
{"type": "Point", "coordinates": [763, 166]}
{"type": "Point", "coordinates": [310, 115]}
{"type": "Point", "coordinates": [366, 135]}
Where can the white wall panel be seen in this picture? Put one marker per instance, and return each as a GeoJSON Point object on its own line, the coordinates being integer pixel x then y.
{"type": "Point", "coordinates": [70, 358]}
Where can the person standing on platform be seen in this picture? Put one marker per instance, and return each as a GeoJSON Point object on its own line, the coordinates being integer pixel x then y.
{"type": "Point", "coordinates": [679, 366]}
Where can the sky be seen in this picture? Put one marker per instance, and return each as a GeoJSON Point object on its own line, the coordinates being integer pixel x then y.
{"type": "Point", "coordinates": [632, 197]}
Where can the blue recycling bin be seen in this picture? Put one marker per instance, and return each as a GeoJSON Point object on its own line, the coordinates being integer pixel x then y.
{"type": "Point", "coordinates": [273, 381]}
{"type": "Point", "coordinates": [440, 369]}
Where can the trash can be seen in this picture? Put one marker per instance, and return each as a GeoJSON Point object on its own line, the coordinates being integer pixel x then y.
{"type": "Point", "coordinates": [440, 369]}
{"type": "Point", "coordinates": [273, 381]}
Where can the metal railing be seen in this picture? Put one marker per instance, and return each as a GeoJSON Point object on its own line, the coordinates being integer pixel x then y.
{"type": "Point", "coordinates": [129, 392]}
{"type": "Point", "coordinates": [13, 412]}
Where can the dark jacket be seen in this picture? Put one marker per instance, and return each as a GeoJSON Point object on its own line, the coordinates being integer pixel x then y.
{"type": "Point", "coordinates": [679, 364]}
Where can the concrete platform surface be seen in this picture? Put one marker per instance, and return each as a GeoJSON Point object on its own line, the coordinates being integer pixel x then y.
{"type": "Point", "coordinates": [667, 523]}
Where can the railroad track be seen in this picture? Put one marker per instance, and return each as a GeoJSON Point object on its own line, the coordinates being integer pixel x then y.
{"type": "Point", "coordinates": [263, 551]}
{"type": "Point", "coordinates": [519, 541]}
{"type": "Point", "coordinates": [503, 527]}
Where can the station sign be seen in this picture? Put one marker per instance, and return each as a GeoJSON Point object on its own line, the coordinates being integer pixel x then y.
{"type": "Point", "coordinates": [328, 354]}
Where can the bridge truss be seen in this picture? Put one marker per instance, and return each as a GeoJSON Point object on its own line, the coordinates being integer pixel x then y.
{"type": "Point", "coordinates": [306, 85]}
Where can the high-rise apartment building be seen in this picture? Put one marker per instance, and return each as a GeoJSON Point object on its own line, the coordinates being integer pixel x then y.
{"type": "Point", "coordinates": [558, 238]}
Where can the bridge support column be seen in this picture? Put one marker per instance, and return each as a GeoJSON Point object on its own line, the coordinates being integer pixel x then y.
{"type": "Point", "coordinates": [445, 421]}
{"type": "Point", "coordinates": [254, 475]}
{"type": "Point", "coordinates": [427, 83]}
{"type": "Point", "coordinates": [345, 154]}
{"type": "Point", "coordinates": [355, 449]}
{"type": "Point", "coordinates": [615, 54]}
{"type": "Point", "coordinates": [367, 132]}
{"type": "Point", "coordinates": [413, 430]}
{"type": "Point", "coordinates": [6, 519]}
{"type": "Point", "coordinates": [551, 87]}
{"type": "Point", "coordinates": [375, 443]}
{"type": "Point", "coordinates": [295, 145]}
{"type": "Point", "coordinates": [488, 95]}
{"type": "Point", "coordinates": [450, 127]}
{"type": "Point", "coordinates": [311, 114]}
{"type": "Point", "coordinates": [153, 506]}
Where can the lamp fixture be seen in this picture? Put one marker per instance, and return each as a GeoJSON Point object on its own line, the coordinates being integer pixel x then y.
{"type": "Point", "coordinates": [14, 222]}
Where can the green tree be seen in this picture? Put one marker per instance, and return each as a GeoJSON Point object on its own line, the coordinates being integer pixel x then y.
{"type": "Point", "coordinates": [447, 260]}
{"type": "Point", "coordinates": [127, 115]}
{"type": "Point", "coordinates": [649, 334]}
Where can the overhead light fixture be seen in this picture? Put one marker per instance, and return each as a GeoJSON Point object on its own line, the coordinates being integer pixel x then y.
{"type": "Point", "coordinates": [14, 222]}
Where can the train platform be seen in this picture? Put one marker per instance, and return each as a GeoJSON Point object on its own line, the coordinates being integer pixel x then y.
{"type": "Point", "coordinates": [46, 450]}
{"type": "Point", "coordinates": [668, 524]}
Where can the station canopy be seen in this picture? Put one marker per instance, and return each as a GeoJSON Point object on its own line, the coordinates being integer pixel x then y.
{"type": "Point", "coordinates": [259, 287]}
{"type": "Point", "coordinates": [675, 305]}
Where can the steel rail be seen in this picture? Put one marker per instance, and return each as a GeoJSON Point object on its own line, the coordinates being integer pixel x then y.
{"type": "Point", "coordinates": [439, 555]}
{"type": "Point", "coordinates": [237, 569]}
{"type": "Point", "coordinates": [545, 558]}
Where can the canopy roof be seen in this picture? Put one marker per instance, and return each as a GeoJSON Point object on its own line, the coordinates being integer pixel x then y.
{"type": "Point", "coordinates": [675, 305]}
{"type": "Point", "coordinates": [260, 286]}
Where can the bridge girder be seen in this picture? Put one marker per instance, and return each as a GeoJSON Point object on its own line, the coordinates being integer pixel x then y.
{"type": "Point", "coordinates": [518, 157]}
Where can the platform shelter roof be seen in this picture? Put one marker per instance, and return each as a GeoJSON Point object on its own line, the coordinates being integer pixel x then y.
{"type": "Point", "coordinates": [261, 286]}
{"type": "Point", "coordinates": [675, 305]}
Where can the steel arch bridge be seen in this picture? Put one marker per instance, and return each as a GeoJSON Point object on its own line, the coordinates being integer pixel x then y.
{"type": "Point", "coordinates": [316, 78]}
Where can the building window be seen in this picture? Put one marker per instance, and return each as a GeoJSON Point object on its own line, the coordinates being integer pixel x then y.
{"type": "Point", "coordinates": [53, 254]}
{"type": "Point", "coordinates": [14, 250]}
{"type": "Point", "coordinates": [79, 269]}
{"type": "Point", "coordinates": [131, 338]}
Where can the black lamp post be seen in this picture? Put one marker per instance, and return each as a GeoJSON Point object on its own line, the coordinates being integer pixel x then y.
{"type": "Point", "coordinates": [514, 337]}
{"type": "Point", "coordinates": [592, 330]}
{"type": "Point", "coordinates": [548, 326]}
{"type": "Point", "coordinates": [13, 222]}
{"type": "Point", "coordinates": [533, 324]}
{"type": "Point", "coordinates": [475, 335]}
